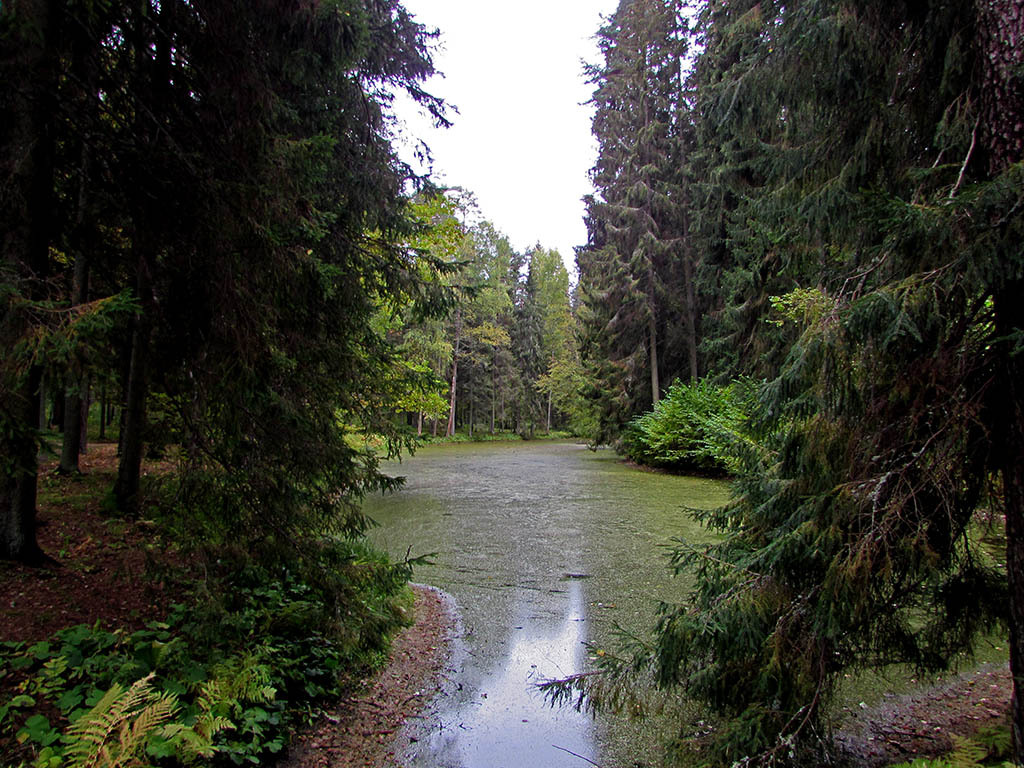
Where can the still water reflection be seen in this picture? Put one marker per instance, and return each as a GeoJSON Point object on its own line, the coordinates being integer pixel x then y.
{"type": "Point", "coordinates": [544, 547]}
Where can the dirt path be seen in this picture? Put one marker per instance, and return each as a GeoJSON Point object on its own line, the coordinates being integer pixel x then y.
{"type": "Point", "coordinates": [920, 723]}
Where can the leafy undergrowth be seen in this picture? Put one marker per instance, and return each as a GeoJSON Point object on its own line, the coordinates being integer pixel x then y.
{"type": "Point", "coordinates": [989, 747]}
{"type": "Point", "coordinates": [99, 666]}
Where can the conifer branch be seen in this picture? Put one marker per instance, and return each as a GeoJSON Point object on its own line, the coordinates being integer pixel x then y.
{"type": "Point", "coordinates": [963, 168]}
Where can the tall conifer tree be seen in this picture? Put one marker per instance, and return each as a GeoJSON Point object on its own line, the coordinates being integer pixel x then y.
{"type": "Point", "coordinates": [627, 270]}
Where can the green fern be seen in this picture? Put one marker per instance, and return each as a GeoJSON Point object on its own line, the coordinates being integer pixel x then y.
{"type": "Point", "coordinates": [987, 744]}
{"type": "Point", "coordinates": [115, 732]}
{"type": "Point", "coordinates": [998, 739]}
{"type": "Point", "coordinates": [241, 679]}
{"type": "Point", "coordinates": [967, 753]}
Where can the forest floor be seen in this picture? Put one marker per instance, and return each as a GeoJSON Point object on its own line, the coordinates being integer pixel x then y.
{"type": "Point", "coordinates": [116, 573]}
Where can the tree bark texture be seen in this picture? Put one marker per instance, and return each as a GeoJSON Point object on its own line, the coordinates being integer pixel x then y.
{"type": "Point", "coordinates": [76, 400]}
{"type": "Point", "coordinates": [1001, 36]}
{"type": "Point", "coordinates": [27, 145]}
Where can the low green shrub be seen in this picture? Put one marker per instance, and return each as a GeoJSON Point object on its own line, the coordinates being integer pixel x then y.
{"type": "Point", "coordinates": [692, 428]}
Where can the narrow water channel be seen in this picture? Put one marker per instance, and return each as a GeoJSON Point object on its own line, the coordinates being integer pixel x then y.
{"type": "Point", "coordinates": [544, 547]}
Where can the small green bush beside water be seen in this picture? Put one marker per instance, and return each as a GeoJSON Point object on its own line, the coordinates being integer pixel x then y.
{"type": "Point", "coordinates": [222, 680]}
{"type": "Point", "coordinates": [690, 429]}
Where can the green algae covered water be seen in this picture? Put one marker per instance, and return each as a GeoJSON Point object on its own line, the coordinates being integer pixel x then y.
{"type": "Point", "coordinates": [545, 547]}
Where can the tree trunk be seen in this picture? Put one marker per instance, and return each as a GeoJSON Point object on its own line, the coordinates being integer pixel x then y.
{"type": "Point", "coordinates": [83, 443]}
{"type": "Point", "coordinates": [652, 329]}
{"type": "Point", "coordinates": [1001, 36]}
{"type": "Point", "coordinates": [26, 196]}
{"type": "Point", "coordinates": [42, 405]}
{"type": "Point", "coordinates": [76, 398]}
{"type": "Point", "coordinates": [1013, 493]}
{"type": "Point", "coordinates": [103, 411]}
{"type": "Point", "coordinates": [450, 432]}
{"type": "Point", "coordinates": [494, 388]}
{"type": "Point", "coordinates": [57, 409]}
{"type": "Point", "coordinates": [72, 442]}
{"type": "Point", "coordinates": [549, 413]}
{"type": "Point", "coordinates": [1009, 429]}
{"type": "Point", "coordinates": [690, 291]}
{"type": "Point", "coordinates": [126, 488]}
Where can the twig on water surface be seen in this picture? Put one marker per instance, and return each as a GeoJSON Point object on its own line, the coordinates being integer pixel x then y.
{"type": "Point", "coordinates": [581, 757]}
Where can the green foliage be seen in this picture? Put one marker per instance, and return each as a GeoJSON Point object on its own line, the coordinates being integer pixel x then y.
{"type": "Point", "coordinates": [989, 746]}
{"type": "Point", "coordinates": [858, 250]}
{"type": "Point", "coordinates": [222, 680]}
{"type": "Point", "coordinates": [694, 428]}
{"type": "Point", "coordinates": [637, 306]}
{"type": "Point", "coordinates": [115, 732]}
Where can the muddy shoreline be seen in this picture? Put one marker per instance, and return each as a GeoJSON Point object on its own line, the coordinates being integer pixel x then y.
{"type": "Point", "coordinates": [367, 728]}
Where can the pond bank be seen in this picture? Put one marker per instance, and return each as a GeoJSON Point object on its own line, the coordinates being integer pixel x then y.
{"type": "Point", "coordinates": [378, 725]}
{"type": "Point", "coordinates": [364, 728]}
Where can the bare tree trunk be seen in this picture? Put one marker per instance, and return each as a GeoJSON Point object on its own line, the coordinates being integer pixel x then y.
{"type": "Point", "coordinates": [450, 432]}
{"type": "Point", "coordinates": [494, 387]}
{"type": "Point", "coordinates": [83, 443]}
{"type": "Point", "coordinates": [652, 329]}
{"type": "Point", "coordinates": [103, 410]}
{"type": "Point", "coordinates": [26, 195]}
{"type": "Point", "coordinates": [42, 405]}
{"type": "Point", "coordinates": [690, 316]}
{"type": "Point", "coordinates": [126, 488]}
{"type": "Point", "coordinates": [1001, 34]}
{"type": "Point", "coordinates": [76, 398]}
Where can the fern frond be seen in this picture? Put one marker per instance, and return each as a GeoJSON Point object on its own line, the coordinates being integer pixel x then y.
{"type": "Point", "coordinates": [967, 753]}
{"type": "Point", "coordinates": [117, 729]}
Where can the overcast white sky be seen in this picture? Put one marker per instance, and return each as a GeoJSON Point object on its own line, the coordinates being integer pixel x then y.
{"type": "Point", "coordinates": [521, 141]}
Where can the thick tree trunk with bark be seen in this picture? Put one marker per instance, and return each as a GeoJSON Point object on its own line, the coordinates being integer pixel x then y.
{"type": "Point", "coordinates": [1001, 35]}
{"type": "Point", "coordinates": [126, 487]}
{"type": "Point", "coordinates": [27, 149]}
{"type": "Point", "coordinates": [76, 399]}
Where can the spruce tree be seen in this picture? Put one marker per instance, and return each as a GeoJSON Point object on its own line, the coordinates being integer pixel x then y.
{"type": "Point", "coordinates": [859, 200]}
{"type": "Point", "coordinates": [627, 270]}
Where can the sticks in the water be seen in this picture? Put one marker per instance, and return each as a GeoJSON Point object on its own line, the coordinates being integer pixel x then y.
{"type": "Point", "coordinates": [581, 757]}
